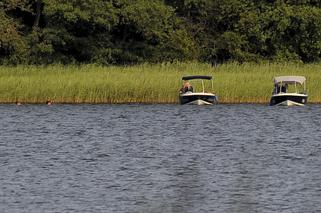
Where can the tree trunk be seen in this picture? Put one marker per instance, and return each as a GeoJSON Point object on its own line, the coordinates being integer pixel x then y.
{"type": "Point", "coordinates": [38, 14]}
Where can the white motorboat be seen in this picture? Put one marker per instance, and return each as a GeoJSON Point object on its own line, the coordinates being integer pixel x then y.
{"type": "Point", "coordinates": [289, 91]}
{"type": "Point", "coordinates": [189, 94]}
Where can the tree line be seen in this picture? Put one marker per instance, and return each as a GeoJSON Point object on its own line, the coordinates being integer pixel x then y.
{"type": "Point", "coordinates": [137, 31]}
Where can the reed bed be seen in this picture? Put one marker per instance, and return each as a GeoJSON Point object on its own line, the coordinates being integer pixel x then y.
{"type": "Point", "coordinates": [233, 83]}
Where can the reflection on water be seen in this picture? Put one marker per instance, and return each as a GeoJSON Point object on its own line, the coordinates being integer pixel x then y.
{"type": "Point", "coordinates": [160, 158]}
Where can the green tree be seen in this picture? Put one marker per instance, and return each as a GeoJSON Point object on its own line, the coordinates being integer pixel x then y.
{"type": "Point", "coordinates": [136, 31]}
{"type": "Point", "coordinates": [149, 30]}
{"type": "Point", "coordinates": [12, 44]}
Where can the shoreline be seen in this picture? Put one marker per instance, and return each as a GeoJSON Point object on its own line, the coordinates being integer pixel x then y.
{"type": "Point", "coordinates": [139, 103]}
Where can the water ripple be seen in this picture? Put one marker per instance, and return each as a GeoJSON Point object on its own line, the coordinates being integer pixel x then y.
{"type": "Point", "coordinates": [160, 158]}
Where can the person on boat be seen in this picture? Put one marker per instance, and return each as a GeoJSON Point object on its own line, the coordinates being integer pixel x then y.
{"type": "Point", "coordinates": [283, 88]}
{"type": "Point", "coordinates": [280, 89]}
{"type": "Point", "coordinates": [187, 87]}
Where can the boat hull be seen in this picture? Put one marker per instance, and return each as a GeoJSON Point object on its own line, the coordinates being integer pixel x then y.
{"type": "Point", "coordinates": [288, 99]}
{"type": "Point", "coordinates": [198, 99]}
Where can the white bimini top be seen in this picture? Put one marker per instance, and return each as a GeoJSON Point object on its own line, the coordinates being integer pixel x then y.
{"type": "Point", "coordinates": [289, 79]}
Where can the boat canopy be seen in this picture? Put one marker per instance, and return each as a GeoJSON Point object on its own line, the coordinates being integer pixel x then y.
{"type": "Point", "coordinates": [289, 79]}
{"type": "Point", "coordinates": [197, 77]}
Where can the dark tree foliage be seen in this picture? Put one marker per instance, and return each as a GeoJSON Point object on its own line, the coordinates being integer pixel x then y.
{"type": "Point", "coordinates": [137, 31]}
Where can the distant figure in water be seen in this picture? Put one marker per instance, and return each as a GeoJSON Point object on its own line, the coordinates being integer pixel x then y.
{"type": "Point", "coordinates": [48, 102]}
{"type": "Point", "coordinates": [18, 103]}
{"type": "Point", "coordinates": [186, 87]}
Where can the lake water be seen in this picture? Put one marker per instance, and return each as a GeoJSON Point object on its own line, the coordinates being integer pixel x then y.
{"type": "Point", "coordinates": [160, 158]}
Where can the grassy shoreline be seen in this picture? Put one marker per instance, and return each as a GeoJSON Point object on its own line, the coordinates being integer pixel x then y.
{"type": "Point", "coordinates": [233, 83]}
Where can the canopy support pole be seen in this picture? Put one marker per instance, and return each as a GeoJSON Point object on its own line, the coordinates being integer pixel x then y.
{"type": "Point", "coordinates": [203, 86]}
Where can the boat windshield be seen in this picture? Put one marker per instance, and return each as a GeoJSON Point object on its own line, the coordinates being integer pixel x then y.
{"type": "Point", "coordinates": [289, 88]}
{"type": "Point", "coordinates": [199, 83]}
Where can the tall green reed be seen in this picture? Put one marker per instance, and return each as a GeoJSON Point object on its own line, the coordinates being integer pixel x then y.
{"type": "Point", "coordinates": [233, 83]}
